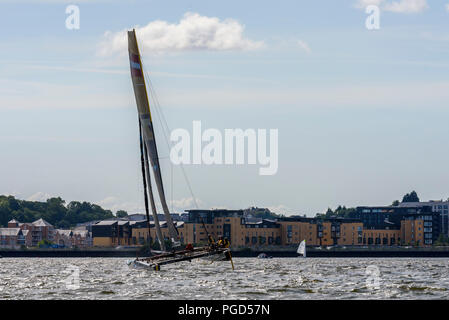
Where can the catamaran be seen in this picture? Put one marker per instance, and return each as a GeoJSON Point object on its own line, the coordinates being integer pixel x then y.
{"type": "Point", "coordinates": [302, 248]}
{"type": "Point", "coordinates": [148, 150]}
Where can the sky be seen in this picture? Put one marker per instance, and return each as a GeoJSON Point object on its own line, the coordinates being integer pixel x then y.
{"type": "Point", "coordinates": [362, 115]}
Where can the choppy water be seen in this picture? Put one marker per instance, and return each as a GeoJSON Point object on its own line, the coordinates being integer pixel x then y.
{"type": "Point", "coordinates": [283, 278]}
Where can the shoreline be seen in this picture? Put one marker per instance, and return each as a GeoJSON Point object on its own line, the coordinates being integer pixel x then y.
{"type": "Point", "coordinates": [350, 253]}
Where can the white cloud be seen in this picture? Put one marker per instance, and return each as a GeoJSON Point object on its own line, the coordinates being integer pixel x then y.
{"type": "Point", "coordinates": [400, 6]}
{"type": "Point", "coordinates": [447, 7]}
{"type": "Point", "coordinates": [39, 196]}
{"type": "Point", "coordinates": [114, 204]}
{"type": "Point", "coordinates": [406, 6]}
{"type": "Point", "coordinates": [282, 209]}
{"type": "Point", "coordinates": [407, 95]}
{"type": "Point", "coordinates": [14, 194]}
{"type": "Point", "coordinates": [25, 95]}
{"type": "Point", "coordinates": [362, 4]}
{"type": "Point", "coordinates": [303, 45]}
{"type": "Point", "coordinates": [18, 94]}
{"type": "Point", "coordinates": [185, 203]}
{"type": "Point", "coordinates": [193, 32]}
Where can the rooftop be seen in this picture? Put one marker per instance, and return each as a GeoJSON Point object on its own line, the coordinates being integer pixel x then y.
{"type": "Point", "coordinates": [421, 204]}
{"type": "Point", "coordinates": [10, 231]}
{"type": "Point", "coordinates": [63, 232]}
{"type": "Point", "coordinates": [106, 223]}
{"type": "Point", "coordinates": [41, 223]}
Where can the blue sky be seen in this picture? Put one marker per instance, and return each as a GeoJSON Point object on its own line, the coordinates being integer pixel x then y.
{"type": "Point", "coordinates": [362, 115]}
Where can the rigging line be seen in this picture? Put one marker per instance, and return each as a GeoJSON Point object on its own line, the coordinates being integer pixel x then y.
{"type": "Point", "coordinates": [160, 113]}
{"type": "Point", "coordinates": [156, 101]}
{"type": "Point", "coordinates": [157, 110]}
{"type": "Point", "coordinates": [144, 180]}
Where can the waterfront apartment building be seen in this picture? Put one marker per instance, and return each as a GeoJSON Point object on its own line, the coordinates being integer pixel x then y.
{"type": "Point", "coordinates": [63, 238]}
{"type": "Point", "coordinates": [105, 234]}
{"type": "Point", "coordinates": [413, 225]}
{"type": "Point", "coordinates": [13, 238]}
{"type": "Point", "coordinates": [34, 232]}
{"type": "Point", "coordinates": [371, 226]}
{"type": "Point", "coordinates": [437, 206]}
{"type": "Point", "coordinates": [239, 233]}
{"type": "Point", "coordinates": [78, 238]}
{"type": "Point", "coordinates": [39, 230]}
{"type": "Point", "coordinates": [140, 234]}
{"type": "Point", "coordinates": [321, 232]}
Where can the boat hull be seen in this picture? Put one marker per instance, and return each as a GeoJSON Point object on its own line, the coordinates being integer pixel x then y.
{"type": "Point", "coordinates": [155, 263]}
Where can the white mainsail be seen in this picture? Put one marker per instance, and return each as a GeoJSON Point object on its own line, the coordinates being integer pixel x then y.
{"type": "Point", "coordinates": [302, 248]}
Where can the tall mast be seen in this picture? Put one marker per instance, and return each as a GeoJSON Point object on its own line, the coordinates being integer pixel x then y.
{"type": "Point", "coordinates": [146, 122]}
{"type": "Point", "coordinates": [147, 177]}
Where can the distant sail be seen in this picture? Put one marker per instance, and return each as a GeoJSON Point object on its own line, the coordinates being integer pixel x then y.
{"type": "Point", "coordinates": [302, 248]}
{"type": "Point", "coordinates": [143, 107]}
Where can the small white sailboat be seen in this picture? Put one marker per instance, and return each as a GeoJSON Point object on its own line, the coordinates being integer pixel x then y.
{"type": "Point", "coordinates": [302, 248]}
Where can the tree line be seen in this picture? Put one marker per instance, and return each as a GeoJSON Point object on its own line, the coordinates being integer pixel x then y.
{"type": "Point", "coordinates": [343, 212]}
{"type": "Point", "coordinates": [54, 211]}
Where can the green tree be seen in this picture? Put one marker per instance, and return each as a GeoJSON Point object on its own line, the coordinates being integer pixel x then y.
{"type": "Point", "coordinates": [395, 203]}
{"type": "Point", "coordinates": [411, 197]}
{"type": "Point", "coordinates": [53, 210]}
{"type": "Point", "coordinates": [44, 243]}
{"type": "Point", "coordinates": [5, 211]}
{"type": "Point", "coordinates": [121, 214]}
